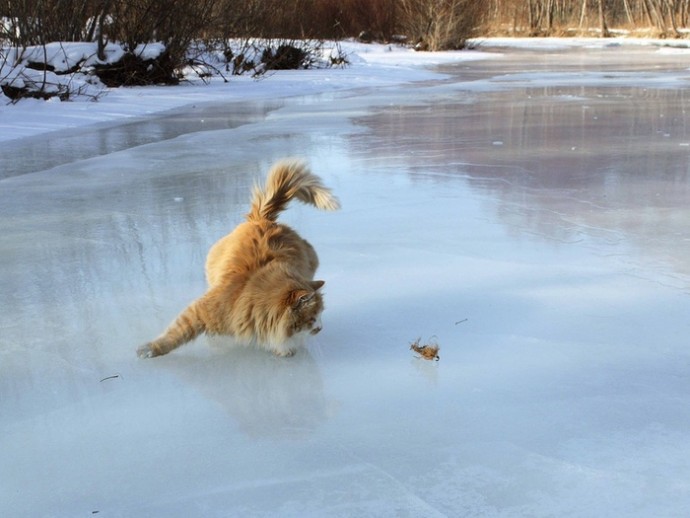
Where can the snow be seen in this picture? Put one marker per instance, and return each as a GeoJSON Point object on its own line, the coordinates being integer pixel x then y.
{"type": "Point", "coordinates": [534, 226]}
{"type": "Point", "coordinates": [374, 66]}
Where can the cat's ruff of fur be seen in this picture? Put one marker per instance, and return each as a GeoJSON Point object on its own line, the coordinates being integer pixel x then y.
{"type": "Point", "coordinates": [261, 287]}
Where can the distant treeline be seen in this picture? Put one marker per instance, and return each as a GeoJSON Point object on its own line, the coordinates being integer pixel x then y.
{"type": "Point", "coordinates": [254, 36]}
{"type": "Point", "coordinates": [30, 22]}
{"type": "Point", "coordinates": [433, 24]}
{"type": "Point", "coordinates": [663, 18]}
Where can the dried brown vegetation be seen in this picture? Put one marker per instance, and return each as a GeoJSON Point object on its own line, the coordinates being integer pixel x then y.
{"type": "Point", "coordinates": [440, 23]}
{"type": "Point", "coordinates": [428, 351]}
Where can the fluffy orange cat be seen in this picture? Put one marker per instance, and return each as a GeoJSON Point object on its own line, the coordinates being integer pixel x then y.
{"type": "Point", "coordinates": [261, 286]}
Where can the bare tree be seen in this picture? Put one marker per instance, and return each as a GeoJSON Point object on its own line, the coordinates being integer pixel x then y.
{"type": "Point", "coordinates": [602, 20]}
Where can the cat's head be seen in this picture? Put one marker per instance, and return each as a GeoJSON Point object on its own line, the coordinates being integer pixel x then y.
{"type": "Point", "coordinates": [305, 306]}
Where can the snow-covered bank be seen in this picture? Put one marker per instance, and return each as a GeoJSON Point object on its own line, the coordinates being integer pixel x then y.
{"type": "Point", "coordinates": [371, 65]}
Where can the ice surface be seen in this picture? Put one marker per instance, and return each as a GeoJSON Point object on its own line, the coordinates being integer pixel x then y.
{"type": "Point", "coordinates": [563, 393]}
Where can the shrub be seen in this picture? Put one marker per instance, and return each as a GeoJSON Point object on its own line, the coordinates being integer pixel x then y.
{"type": "Point", "coordinates": [285, 57]}
{"type": "Point", "coordinates": [136, 70]}
{"type": "Point", "coordinates": [441, 24]}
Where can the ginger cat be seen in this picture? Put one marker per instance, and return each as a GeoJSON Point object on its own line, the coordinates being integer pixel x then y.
{"type": "Point", "coordinates": [260, 276]}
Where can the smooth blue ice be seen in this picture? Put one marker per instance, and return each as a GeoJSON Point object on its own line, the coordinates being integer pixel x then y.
{"type": "Point", "coordinates": [529, 214]}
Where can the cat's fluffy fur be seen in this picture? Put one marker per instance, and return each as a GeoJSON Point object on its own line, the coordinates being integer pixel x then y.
{"type": "Point", "coordinates": [261, 286]}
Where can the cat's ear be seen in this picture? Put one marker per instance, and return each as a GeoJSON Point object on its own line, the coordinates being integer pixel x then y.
{"type": "Point", "coordinates": [299, 297]}
{"type": "Point", "coordinates": [317, 284]}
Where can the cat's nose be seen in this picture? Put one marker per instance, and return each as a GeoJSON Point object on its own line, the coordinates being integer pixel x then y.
{"type": "Point", "coordinates": [316, 327]}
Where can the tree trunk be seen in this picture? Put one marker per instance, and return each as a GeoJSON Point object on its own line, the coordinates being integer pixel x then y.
{"type": "Point", "coordinates": [672, 17]}
{"type": "Point", "coordinates": [102, 15]}
{"type": "Point", "coordinates": [583, 14]}
{"type": "Point", "coordinates": [602, 20]}
{"type": "Point", "coordinates": [628, 13]}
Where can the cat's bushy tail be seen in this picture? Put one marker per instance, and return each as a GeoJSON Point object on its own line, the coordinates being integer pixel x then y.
{"type": "Point", "coordinates": [286, 180]}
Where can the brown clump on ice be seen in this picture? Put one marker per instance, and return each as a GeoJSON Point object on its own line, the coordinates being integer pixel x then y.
{"type": "Point", "coordinates": [427, 351]}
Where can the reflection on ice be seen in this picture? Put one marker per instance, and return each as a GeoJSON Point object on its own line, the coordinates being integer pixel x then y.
{"type": "Point", "coordinates": [267, 397]}
{"type": "Point", "coordinates": [612, 164]}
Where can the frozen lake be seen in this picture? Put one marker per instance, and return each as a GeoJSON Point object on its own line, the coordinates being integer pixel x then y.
{"type": "Point", "coordinates": [529, 213]}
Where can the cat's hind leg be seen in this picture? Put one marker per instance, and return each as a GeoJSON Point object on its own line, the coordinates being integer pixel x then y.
{"type": "Point", "coordinates": [186, 327]}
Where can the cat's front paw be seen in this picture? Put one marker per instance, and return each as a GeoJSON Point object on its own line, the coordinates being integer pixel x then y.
{"type": "Point", "coordinates": [146, 351]}
{"type": "Point", "coordinates": [284, 353]}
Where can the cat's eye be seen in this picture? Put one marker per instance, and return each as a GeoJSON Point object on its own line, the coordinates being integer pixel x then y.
{"type": "Point", "coordinates": [305, 298]}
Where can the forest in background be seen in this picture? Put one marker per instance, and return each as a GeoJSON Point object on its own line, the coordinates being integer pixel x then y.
{"type": "Point", "coordinates": [290, 32]}
{"type": "Point", "coordinates": [436, 24]}
{"type": "Point", "coordinates": [658, 18]}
